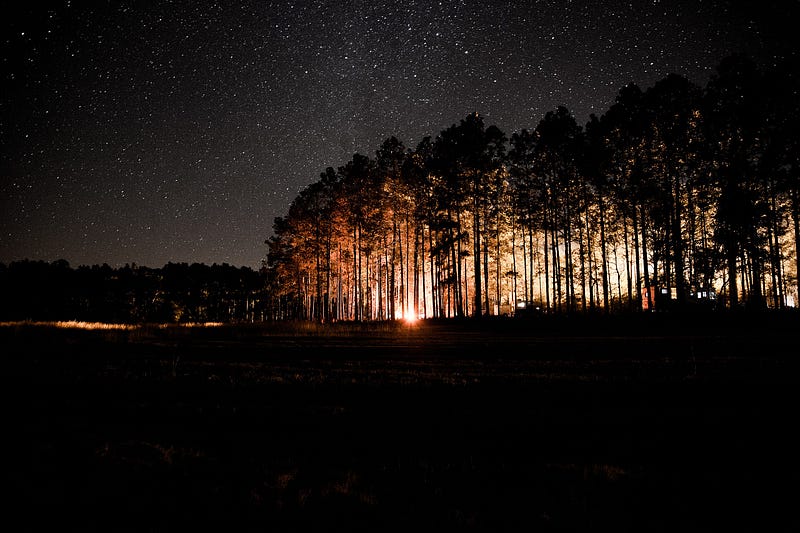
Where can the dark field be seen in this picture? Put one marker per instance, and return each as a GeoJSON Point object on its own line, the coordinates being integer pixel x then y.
{"type": "Point", "coordinates": [650, 423]}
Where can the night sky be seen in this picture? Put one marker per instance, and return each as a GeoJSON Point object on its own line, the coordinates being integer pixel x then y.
{"type": "Point", "coordinates": [139, 134]}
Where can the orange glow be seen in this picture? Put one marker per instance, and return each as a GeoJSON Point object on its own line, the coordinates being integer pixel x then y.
{"type": "Point", "coordinates": [74, 324]}
{"type": "Point", "coordinates": [410, 317]}
{"type": "Point", "coordinates": [77, 324]}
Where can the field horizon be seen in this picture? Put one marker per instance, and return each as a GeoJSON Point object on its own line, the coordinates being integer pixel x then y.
{"type": "Point", "coordinates": [648, 422]}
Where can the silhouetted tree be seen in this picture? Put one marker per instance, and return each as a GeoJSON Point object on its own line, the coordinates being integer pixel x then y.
{"type": "Point", "coordinates": [673, 192]}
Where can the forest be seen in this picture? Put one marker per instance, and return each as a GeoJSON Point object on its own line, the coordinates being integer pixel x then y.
{"type": "Point", "coordinates": [177, 292]}
{"type": "Point", "coordinates": [677, 197]}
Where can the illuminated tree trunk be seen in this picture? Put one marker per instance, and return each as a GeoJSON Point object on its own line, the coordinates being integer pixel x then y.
{"type": "Point", "coordinates": [357, 274]}
{"type": "Point", "coordinates": [586, 255]}
{"type": "Point", "coordinates": [328, 276]}
{"type": "Point", "coordinates": [569, 286]}
{"type": "Point", "coordinates": [318, 267]}
{"type": "Point", "coordinates": [392, 273]}
{"type": "Point", "coordinates": [513, 265]}
{"type": "Point", "coordinates": [558, 296]}
{"type": "Point", "coordinates": [546, 254]}
{"type": "Point", "coordinates": [408, 265]}
{"type": "Point", "coordinates": [434, 286]}
{"type": "Point", "coordinates": [476, 247]}
{"type": "Point", "coordinates": [380, 289]}
{"type": "Point", "coordinates": [401, 289]}
{"type": "Point", "coordinates": [498, 291]}
{"type": "Point", "coordinates": [536, 263]}
{"type": "Point", "coordinates": [796, 218]}
{"type": "Point", "coordinates": [677, 236]}
{"type": "Point", "coordinates": [485, 251]}
{"type": "Point", "coordinates": [639, 264]}
{"type": "Point", "coordinates": [416, 271]}
{"type": "Point", "coordinates": [458, 274]}
{"type": "Point", "coordinates": [627, 264]}
{"type": "Point", "coordinates": [646, 262]}
{"type": "Point", "coordinates": [525, 265]}
{"type": "Point", "coordinates": [603, 254]}
{"type": "Point", "coordinates": [422, 307]}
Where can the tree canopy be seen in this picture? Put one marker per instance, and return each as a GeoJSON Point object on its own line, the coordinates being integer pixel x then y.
{"type": "Point", "coordinates": [676, 196]}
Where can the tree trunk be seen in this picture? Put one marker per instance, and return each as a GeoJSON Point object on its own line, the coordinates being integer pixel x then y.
{"type": "Point", "coordinates": [355, 273]}
{"type": "Point", "coordinates": [476, 250]}
{"type": "Point", "coordinates": [677, 235]}
{"type": "Point", "coordinates": [514, 266]}
{"type": "Point", "coordinates": [497, 289]}
{"type": "Point", "coordinates": [582, 261]}
{"type": "Point", "coordinates": [796, 218]}
{"type": "Point", "coordinates": [546, 253]}
{"type": "Point", "coordinates": [603, 253]}
{"type": "Point", "coordinates": [458, 300]}
{"type": "Point", "coordinates": [485, 245]}
{"type": "Point", "coordinates": [627, 262]}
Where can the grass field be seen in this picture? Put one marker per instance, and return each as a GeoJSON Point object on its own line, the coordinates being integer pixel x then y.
{"type": "Point", "coordinates": [652, 423]}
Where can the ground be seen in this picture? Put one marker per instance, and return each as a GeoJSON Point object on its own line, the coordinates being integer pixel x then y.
{"type": "Point", "coordinates": [640, 423]}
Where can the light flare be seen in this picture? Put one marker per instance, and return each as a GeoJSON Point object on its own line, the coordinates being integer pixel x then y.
{"type": "Point", "coordinates": [410, 317]}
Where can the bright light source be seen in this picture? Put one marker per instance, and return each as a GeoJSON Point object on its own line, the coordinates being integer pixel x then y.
{"type": "Point", "coordinates": [410, 317]}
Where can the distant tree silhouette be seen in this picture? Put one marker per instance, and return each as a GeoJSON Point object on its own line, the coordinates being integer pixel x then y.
{"type": "Point", "coordinates": [177, 292]}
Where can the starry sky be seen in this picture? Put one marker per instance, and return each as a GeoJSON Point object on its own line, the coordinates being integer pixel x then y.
{"type": "Point", "coordinates": [148, 132]}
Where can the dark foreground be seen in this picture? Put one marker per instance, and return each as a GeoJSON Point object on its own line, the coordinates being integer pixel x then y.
{"type": "Point", "coordinates": [639, 424]}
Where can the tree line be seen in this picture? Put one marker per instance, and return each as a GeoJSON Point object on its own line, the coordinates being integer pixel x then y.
{"type": "Point", "coordinates": [177, 292]}
{"type": "Point", "coordinates": [677, 195]}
